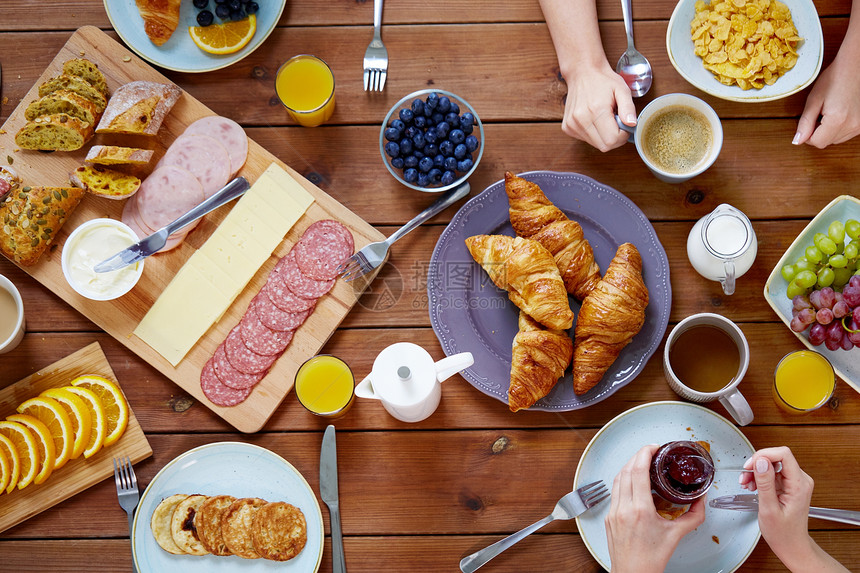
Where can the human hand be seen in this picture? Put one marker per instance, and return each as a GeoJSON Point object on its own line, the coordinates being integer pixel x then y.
{"type": "Point", "coordinates": [835, 97]}
{"type": "Point", "coordinates": [639, 539]}
{"type": "Point", "coordinates": [594, 94]}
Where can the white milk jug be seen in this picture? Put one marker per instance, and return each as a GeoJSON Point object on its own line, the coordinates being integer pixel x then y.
{"type": "Point", "coordinates": [722, 246]}
{"type": "Point", "coordinates": [408, 382]}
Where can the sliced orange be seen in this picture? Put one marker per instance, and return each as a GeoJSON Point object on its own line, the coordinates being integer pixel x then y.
{"type": "Point", "coordinates": [5, 470]}
{"type": "Point", "coordinates": [115, 406]}
{"type": "Point", "coordinates": [224, 38]}
{"type": "Point", "coordinates": [98, 427]}
{"type": "Point", "coordinates": [54, 416]}
{"type": "Point", "coordinates": [44, 442]}
{"type": "Point", "coordinates": [11, 453]}
{"type": "Point", "coordinates": [28, 451]}
{"type": "Point", "coordinates": [79, 414]}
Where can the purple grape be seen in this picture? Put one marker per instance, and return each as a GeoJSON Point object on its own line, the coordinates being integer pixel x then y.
{"type": "Point", "coordinates": [800, 302]}
{"type": "Point", "coordinates": [817, 334]}
{"type": "Point", "coordinates": [847, 344]}
{"type": "Point", "coordinates": [806, 316]}
{"type": "Point", "coordinates": [841, 309]}
{"type": "Point", "coordinates": [851, 295]}
{"type": "Point", "coordinates": [815, 299]}
{"type": "Point", "coordinates": [856, 315]}
{"type": "Point", "coordinates": [828, 297]}
{"type": "Point", "coordinates": [832, 345]}
{"type": "Point", "coordinates": [797, 325]}
{"type": "Point", "coordinates": [835, 331]}
{"type": "Point", "coordinates": [824, 316]}
{"type": "Point", "coordinates": [855, 281]}
{"type": "Point", "coordinates": [854, 337]}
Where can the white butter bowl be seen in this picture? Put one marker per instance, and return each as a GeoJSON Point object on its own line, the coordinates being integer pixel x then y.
{"type": "Point", "coordinates": [102, 286]}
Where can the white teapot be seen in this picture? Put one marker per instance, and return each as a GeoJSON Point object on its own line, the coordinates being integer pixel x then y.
{"type": "Point", "coordinates": [408, 382]}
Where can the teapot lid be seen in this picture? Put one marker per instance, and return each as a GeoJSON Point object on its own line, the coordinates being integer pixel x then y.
{"type": "Point", "coordinates": [403, 374]}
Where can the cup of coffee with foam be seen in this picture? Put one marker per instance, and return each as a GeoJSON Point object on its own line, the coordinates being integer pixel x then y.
{"type": "Point", "coordinates": [705, 358]}
{"type": "Point", "coordinates": [678, 136]}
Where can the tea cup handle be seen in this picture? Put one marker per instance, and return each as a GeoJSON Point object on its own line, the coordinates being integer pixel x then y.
{"type": "Point", "coordinates": [627, 128]}
{"type": "Point", "coordinates": [737, 406]}
{"type": "Point", "coordinates": [729, 282]}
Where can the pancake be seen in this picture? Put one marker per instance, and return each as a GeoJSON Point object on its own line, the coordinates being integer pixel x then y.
{"type": "Point", "coordinates": [207, 522]}
{"type": "Point", "coordinates": [182, 525]}
{"type": "Point", "coordinates": [279, 531]}
{"type": "Point", "coordinates": [160, 523]}
{"type": "Point", "coordinates": [236, 523]}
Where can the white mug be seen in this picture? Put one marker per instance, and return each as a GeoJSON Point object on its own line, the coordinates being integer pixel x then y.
{"type": "Point", "coordinates": [17, 333]}
{"type": "Point", "coordinates": [680, 100]}
{"type": "Point", "coordinates": [729, 396]}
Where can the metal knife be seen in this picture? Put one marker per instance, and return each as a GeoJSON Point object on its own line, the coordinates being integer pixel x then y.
{"type": "Point", "coordinates": [749, 502]}
{"type": "Point", "coordinates": [155, 242]}
{"type": "Point", "coordinates": [328, 492]}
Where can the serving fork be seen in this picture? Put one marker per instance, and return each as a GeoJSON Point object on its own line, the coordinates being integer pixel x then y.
{"type": "Point", "coordinates": [571, 505]}
{"type": "Point", "coordinates": [376, 55]}
{"type": "Point", "coordinates": [126, 491]}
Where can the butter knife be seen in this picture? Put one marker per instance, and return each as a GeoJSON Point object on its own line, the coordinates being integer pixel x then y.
{"type": "Point", "coordinates": [328, 492]}
{"type": "Point", "coordinates": [155, 242]}
{"type": "Point", "coordinates": [749, 502]}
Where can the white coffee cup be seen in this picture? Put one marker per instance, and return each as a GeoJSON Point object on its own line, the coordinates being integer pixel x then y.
{"type": "Point", "coordinates": [660, 103]}
{"type": "Point", "coordinates": [17, 333]}
{"type": "Point", "coordinates": [729, 396]}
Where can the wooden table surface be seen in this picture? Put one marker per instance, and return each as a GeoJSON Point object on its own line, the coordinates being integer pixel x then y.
{"type": "Point", "coordinates": [419, 497]}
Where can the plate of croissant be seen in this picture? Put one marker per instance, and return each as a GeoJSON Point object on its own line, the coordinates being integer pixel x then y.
{"type": "Point", "coordinates": [557, 285]}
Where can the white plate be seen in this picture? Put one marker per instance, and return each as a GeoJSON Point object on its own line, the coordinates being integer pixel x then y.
{"type": "Point", "coordinates": [180, 53]}
{"type": "Point", "coordinates": [845, 363]}
{"type": "Point", "coordinates": [227, 468]}
{"type": "Point", "coordinates": [810, 53]}
{"type": "Point", "coordinates": [658, 423]}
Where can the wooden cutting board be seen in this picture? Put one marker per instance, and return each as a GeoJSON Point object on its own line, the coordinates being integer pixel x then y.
{"type": "Point", "coordinates": [79, 474]}
{"type": "Point", "coordinates": [119, 317]}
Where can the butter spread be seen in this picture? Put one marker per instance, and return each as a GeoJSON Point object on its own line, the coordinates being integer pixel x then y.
{"type": "Point", "coordinates": [92, 246]}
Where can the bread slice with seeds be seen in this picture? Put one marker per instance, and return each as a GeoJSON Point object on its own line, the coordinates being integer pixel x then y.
{"type": "Point", "coordinates": [105, 182]}
{"type": "Point", "coordinates": [63, 101]}
{"type": "Point", "coordinates": [75, 84]}
{"type": "Point", "coordinates": [114, 155]}
{"type": "Point", "coordinates": [57, 132]}
{"type": "Point", "coordinates": [87, 70]}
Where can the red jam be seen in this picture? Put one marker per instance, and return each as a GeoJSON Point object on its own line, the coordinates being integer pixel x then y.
{"type": "Point", "coordinates": [682, 472]}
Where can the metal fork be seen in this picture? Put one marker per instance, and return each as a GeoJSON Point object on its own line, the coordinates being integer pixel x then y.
{"type": "Point", "coordinates": [573, 504]}
{"type": "Point", "coordinates": [126, 491]}
{"type": "Point", "coordinates": [376, 56]}
{"type": "Point", "coordinates": [374, 254]}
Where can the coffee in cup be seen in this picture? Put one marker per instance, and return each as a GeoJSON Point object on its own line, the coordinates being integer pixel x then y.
{"type": "Point", "coordinates": [11, 316]}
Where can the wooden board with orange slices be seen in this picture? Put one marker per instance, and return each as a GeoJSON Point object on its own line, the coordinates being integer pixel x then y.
{"type": "Point", "coordinates": [93, 373]}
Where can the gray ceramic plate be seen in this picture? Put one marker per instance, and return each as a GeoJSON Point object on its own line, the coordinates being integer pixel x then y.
{"type": "Point", "coordinates": [470, 314]}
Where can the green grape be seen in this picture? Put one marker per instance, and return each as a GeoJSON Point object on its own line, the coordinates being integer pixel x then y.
{"type": "Point", "coordinates": [857, 272]}
{"type": "Point", "coordinates": [803, 265]}
{"type": "Point", "coordinates": [852, 249]}
{"type": "Point", "coordinates": [841, 277]}
{"type": "Point", "coordinates": [805, 279]}
{"type": "Point", "coordinates": [852, 227]}
{"type": "Point", "coordinates": [838, 261]}
{"type": "Point", "coordinates": [794, 289]}
{"type": "Point", "coordinates": [825, 277]}
{"type": "Point", "coordinates": [788, 272]}
{"type": "Point", "coordinates": [814, 255]}
{"type": "Point", "coordinates": [817, 237]}
{"type": "Point", "coordinates": [836, 231]}
{"type": "Point", "coordinates": [827, 246]}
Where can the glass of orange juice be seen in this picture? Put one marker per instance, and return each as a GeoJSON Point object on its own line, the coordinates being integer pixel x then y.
{"type": "Point", "coordinates": [325, 386]}
{"type": "Point", "coordinates": [305, 85]}
{"type": "Point", "coordinates": [804, 381]}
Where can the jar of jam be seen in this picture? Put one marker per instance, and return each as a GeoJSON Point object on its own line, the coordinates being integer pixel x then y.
{"type": "Point", "coordinates": [682, 471]}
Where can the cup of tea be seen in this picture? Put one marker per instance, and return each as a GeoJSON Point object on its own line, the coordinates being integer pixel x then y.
{"type": "Point", "coordinates": [11, 316]}
{"type": "Point", "coordinates": [705, 358]}
{"type": "Point", "coordinates": [305, 85]}
{"type": "Point", "coordinates": [678, 136]}
{"type": "Point", "coordinates": [803, 381]}
{"type": "Point", "coordinates": [325, 386]}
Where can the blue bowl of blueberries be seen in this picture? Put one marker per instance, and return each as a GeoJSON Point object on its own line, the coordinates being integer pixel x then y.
{"type": "Point", "coordinates": [431, 140]}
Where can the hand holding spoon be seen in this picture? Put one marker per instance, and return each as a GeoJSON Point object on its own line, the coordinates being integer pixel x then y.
{"type": "Point", "coordinates": [633, 66]}
{"type": "Point", "coordinates": [777, 467]}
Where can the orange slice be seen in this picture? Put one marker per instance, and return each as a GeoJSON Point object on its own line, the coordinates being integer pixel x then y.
{"type": "Point", "coordinates": [115, 406]}
{"type": "Point", "coordinates": [44, 442]}
{"type": "Point", "coordinates": [11, 453]}
{"type": "Point", "coordinates": [98, 427]}
{"type": "Point", "coordinates": [224, 38]}
{"type": "Point", "coordinates": [28, 452]}
{"type": "Point", "coordinates": [54, 416]}
{"type": "Point", "coordinates": [79, 414]}
{"type": "Point", "coordinates": [5, 470]}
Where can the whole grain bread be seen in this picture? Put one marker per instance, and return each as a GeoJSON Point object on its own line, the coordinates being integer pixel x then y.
{"type": "Point", "coordinates": [113, 155]}
{"type": "Point", "coordinates": [57, 132]}
{"type": "Point", "coordinates": [76, 84]}
{"type": "Point", "coordinates": [63, 101]}
{"type": "Point", "coordinates": [138, 108]}
{"type": "Point", "coordinates": [87, 70]}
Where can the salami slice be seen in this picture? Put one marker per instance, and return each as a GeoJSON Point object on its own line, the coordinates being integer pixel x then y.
{"type": "Point", "coordinates": [242, 358]}
{"type": "Point", "coordinates": [216, 391]}
{"type": "Point", "coordinates": [228, 375]}
{"type": "Point", "coordinates": [166, 194]}
{"type": "Point", "coordinates": [277, 291]}
{"type": "Point", "coordinates": [228, 133]}
{"type": "Point", "coordinates": [203, 156]}
{"type": "Point", "coordinates": [273, 317]}
{"type": "Point", "coordinates": [261, 339]}
{"type": "Point", "coordinates": [322, 248]}
{"type": "Point", "coordinates": [297, 282]}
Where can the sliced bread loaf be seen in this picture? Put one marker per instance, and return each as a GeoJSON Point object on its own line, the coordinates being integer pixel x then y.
{"type": "Point", "coordinates": [138, 107]}
{"type": "Point", "coordinates": [105, 182]}
{"type": "Point", "coordinates": [57, 132]}
{"type": "Point", "coordinates": [89, 71]}
{"type": "Point", "coordinates": [75, 84]}
{"type": "Point", "coordinates": [63, 101]}
{"type": "Point", "coordinates": [114, 155]}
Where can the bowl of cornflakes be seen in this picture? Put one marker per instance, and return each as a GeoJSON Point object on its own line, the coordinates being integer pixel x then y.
{"type": "Point", "coordinates": [746, 50]}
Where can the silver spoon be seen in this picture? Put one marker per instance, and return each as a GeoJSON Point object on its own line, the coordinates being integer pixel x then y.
{"type": "Point", "coordinates": [633, 66]}
{"type": "Point", "coordinates": [777, 467]}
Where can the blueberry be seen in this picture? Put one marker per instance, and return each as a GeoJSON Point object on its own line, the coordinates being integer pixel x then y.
{"type": "Point", "coordinates": [437, 117]}
{"type": "Point", "coordinates": [205, 18]}
{"type": "Point", "coordinates": [411, 131]}
{"type": "Point", "coordinates": [423, 180]}
{"type": "Point", "coordinates": [435, 175]}
{"type": "Point", "coordinates": [392, 134]}
{"type": "Point", "coordinates": [425, 165]}
{"type": "Point", "coordinates": [234, 5]}
{"type": "Point", "coordinates": [431, 149]}
{"type": "Point", "coordinates": [397, 163]}
{"type": "Point", "coordinates": [432, 100]}
{"type": "Point", "coordinates": [452, 119]}
{"type": "Point", "coordinates": [457, 136]}
{"type": "Point", "coordinates": [460, 151]}
{"type": "Point", "coordinates": [397, 124]}
{"type": "Point", "coordinates": [455, 108]}
{"type": "Point", "coordinates": [237, 15]}
{"type": "Point", "coordinates": [439, 161]}
{"type": "Point", "coordinates": [467, 118]}
{"type": "Point", "coordinates": [252, 8]}
{"type": "Point", "coordinates": [222, 11]}
{"type": "Point", "coordinates": [406, 115]}
{"type": "Point", "coordinates": [467, 129]}
{"type": "Point", "coordinates": [419, 155]}
{"type": "Point", "coordinates": [450, 164]}
{"type": "Point", "coordinates": [465, 165]}
{"type": "Point", "coordinates": [410, 175]}
{"type": "Point", "coordinates": [447, 178]}
{"type": "Point", "coordinates": [471, 143]}
{"type": "Point", "coordinates": [410, 161]}
{"type": "Point", "coordinates": [430, 135]}
{"type": "Point", "coordinates": [444, 104]}
{"type": "Point", "coordinates": [418, 140]}
{"type": "Point", "coordinates": [417, 106]}
{"type": "Point", "coordinates": [406, 146]}
{"type": "Point", "coordinates": [442, 129]}
{"type": "Point", "coordinates": [428, 113]}
{"type": "Point", "coordinates": [392, 149]}
{"type": "Point", "coordinates": [200, 4]}
{"type": "Point", "coordinates": [220, 1]}
{"type": "Point", "coordinates": [420, 121]}
{"type": "Point", "coordinates": [446, 148]}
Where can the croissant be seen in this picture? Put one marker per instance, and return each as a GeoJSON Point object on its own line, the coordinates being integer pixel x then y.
{"type": "Point", "coordinates": [160, 18]}
{"type": "Point", "coordinates": [539, 358]}
{"type": "Point", "coordinates": [609, 318]}
{"type": "Point", "coordinates": [535, 217]}
{"type": "Point", "coordinates": [528, 272]}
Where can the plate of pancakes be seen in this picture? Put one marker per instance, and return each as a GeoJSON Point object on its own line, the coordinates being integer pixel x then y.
{"type": "Point", "coordinates": [228, 506]}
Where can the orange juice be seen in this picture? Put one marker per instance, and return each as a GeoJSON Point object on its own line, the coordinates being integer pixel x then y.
{"type": "Point", "coordinates": [325, 385]}
{"type": "Point", "coordinates": [804, 381]}
{"type": "Point", "coordinates": [305, 85]}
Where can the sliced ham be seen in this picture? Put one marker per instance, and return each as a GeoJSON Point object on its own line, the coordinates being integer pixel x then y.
{"type": "Point", "coordinates": [204, 157]}
{"type": "Point", "coordinates": [227, 132]}
{"type": "Point", "coordinates": [167, 193]}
